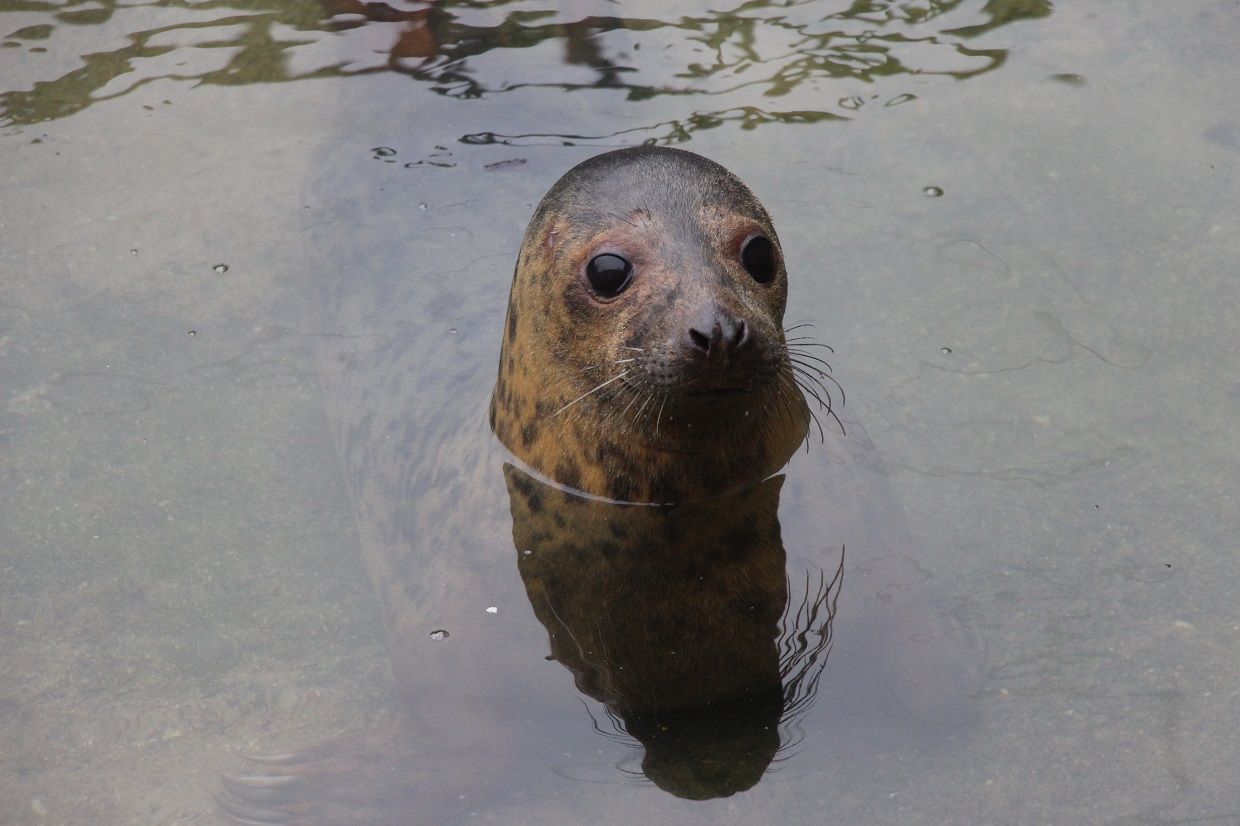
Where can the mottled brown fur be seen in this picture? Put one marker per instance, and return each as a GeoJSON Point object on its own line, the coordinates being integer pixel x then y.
{"type": "Point", "coordinates": [610, 396]}
{"type": "Point", "coordinates": [683, 612]}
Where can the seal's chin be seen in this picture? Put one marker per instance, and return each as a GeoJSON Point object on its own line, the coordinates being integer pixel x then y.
{"type": "Point", "coordinates": [695, 415]}
{"type": "Point", "coordinates": [720, 393]}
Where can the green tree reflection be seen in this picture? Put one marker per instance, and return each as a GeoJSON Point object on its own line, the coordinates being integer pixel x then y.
{"type": "Point", "coordinates": [791, 50]}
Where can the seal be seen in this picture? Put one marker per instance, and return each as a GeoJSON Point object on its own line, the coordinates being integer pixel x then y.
{"type": "Point", "coordinates": [678, 620]}
{"type": "Point", "coordinates": [623, 508]}
{"type": "Point", "coordinates": [644, 358]}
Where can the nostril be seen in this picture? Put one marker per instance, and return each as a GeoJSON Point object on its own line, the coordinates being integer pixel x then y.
{"type": "Point", "coordinates": [700, 339]}
{"type": "Point", "coordinates": [739, 334]}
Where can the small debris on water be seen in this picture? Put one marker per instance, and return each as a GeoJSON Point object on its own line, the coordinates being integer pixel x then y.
{"type": "Point", "coordinates": [932, 191]}
{"type": "Point", "coordinates": [220, 269]}
{"type": "Point", "coordinates": [383, 151]}
{"type": "Point", "coordinates": [493, 610]}
{"type": "Point", "coordinates": [497, 166]}
{"type": "Point", "coordinates": [439, 634]}
{"type": "Point", "coordinates": [1069, 78]}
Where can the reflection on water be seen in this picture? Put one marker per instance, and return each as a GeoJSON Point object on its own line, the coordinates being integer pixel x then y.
{"type": "Point", "coordinates": [686, 622]}
{"type": "Point", "coordinates": [791, 52]}
{"type": "Point", "coordinates": [678, 620]}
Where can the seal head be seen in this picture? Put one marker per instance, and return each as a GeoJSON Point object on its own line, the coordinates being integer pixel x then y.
{"type": "Point", "coordinates": [644, 358]}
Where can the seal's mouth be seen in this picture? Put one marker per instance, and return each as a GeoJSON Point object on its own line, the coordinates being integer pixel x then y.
{"type": "Point", "coordinates": [720, 392]}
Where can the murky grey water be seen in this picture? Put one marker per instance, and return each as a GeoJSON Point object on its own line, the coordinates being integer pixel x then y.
{"type": "Point", "coordinates": [1043, 354]}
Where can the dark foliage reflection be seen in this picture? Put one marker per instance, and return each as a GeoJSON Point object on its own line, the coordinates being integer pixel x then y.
{"type": "Point", "coordinates": [805, 61]}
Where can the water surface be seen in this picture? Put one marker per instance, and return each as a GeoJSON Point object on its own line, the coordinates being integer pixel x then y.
{"type": "Point", "coordinates": [1016, 223]}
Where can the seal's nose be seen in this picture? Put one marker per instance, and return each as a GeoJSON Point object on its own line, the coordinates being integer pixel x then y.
{"type": "Point", "coordinates": [716, 332]}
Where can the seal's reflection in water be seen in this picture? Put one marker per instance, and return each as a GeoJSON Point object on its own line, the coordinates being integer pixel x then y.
{"type": "Point", "coordinates": [676, 618]}
{"type": "Point", "coordinates": [644, 360]}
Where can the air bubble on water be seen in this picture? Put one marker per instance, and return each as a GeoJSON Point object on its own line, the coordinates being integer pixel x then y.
{"type": "Point", "coordinates": [383, 151]}
{"type": "Point", "coordinates": [947, 351]}
{"type": "Point", "coordinates": [439, 634]}
{"type": "Point", "coordinates": [932, 192]}
{"type": "Point", "coordinates": [423, 206]}
{"type": "Point", "coordinates": [220, 268]}
{"type": "Point", "coordinates": [493, 610]}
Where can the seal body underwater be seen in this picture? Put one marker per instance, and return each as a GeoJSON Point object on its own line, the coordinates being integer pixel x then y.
{"type": "Point", "coordinates": [626, 501]}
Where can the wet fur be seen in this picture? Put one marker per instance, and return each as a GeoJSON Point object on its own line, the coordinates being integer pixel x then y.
{"type": "Point", "coordinates": [606, 396]}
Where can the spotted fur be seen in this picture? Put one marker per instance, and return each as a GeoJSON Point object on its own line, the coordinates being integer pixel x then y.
{"type": "Point", "coordinates": [612, 397]}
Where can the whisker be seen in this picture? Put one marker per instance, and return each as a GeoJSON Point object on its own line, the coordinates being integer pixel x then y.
{"type": "Point", "coordinates": [827, 375]}
{"type": "Point", "coordinates": [635, 392]}
{"type": "Point", "coordinates": [822, 405]}
{"type": "Point", "coordinates": [822, 437]}
{"type": "Point", "coordinates": [839, 387]}
{"type": "Point", "coordinates": [638, 415]}
{"type": "Point", "coordinates": [588, 392]}
{"type": "Point", "coordinates": [806, 341]}
{"type": "Point", "coordinates": [788, 382]}
{"type": "Point", "coordinates": [800, 357]}
{"type": "Point", "coordinates": [843, 432]}
{"type": "Point", "coordinates": [614, 412]}
{"type": "Point", "coordinates": [632, 401]}
{"type": "Point", "coordinates": [811, 357]}
{"type": "Point", "coordinates": [812, 384]}
{"type": "Point", "coordinates": [808, 368]}
{"type": "Point", "coordinates": [825, 405]}
{"type": "Point", "coordinates": [804, 370]}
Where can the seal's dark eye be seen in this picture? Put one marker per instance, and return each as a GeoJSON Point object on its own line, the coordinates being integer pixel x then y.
{"type": "Point", "coordinates": [609, 274]}
{"type": "Point", "coordinates": [758, 257]}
